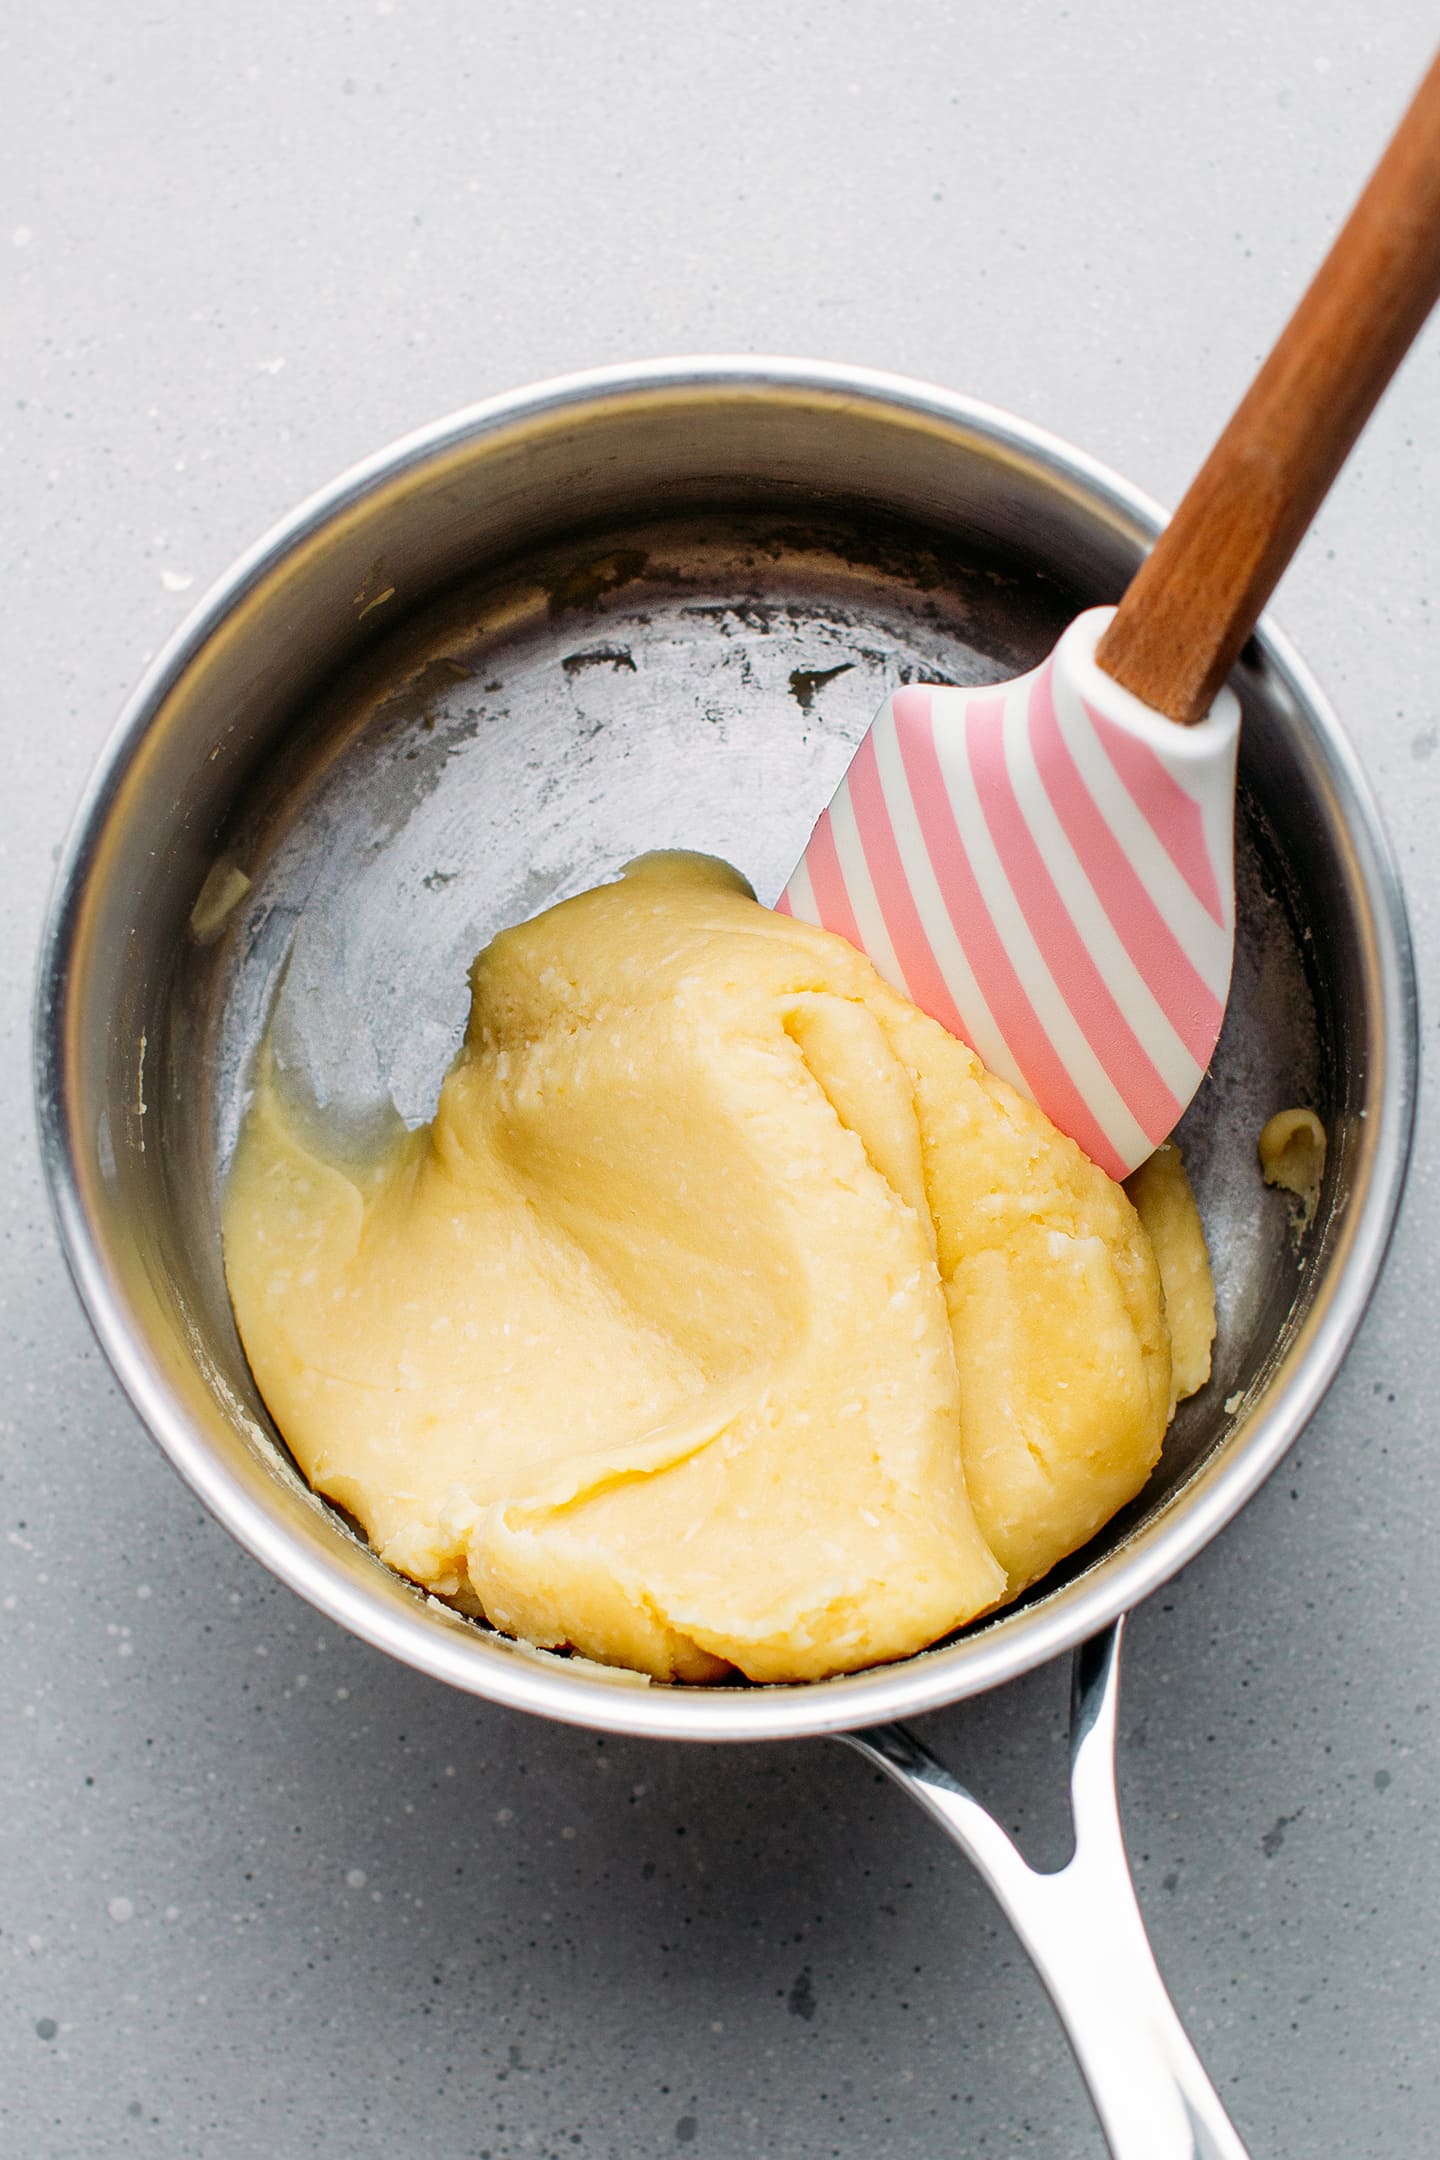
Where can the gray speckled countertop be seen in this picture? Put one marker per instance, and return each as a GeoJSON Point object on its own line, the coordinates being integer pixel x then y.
{"type": "Point", "coordinates": [262, 1892]}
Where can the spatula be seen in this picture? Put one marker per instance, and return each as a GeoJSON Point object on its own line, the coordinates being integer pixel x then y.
{"type": "Point", "coordinates": [1046, 866]}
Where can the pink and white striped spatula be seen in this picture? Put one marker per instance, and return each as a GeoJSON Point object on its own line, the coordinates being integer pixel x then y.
{"type": "Point", "coordinates": [1045, 866]}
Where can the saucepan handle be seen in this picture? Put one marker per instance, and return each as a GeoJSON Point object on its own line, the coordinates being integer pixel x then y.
{"type": "Point", "coordinates": [1083, 1929]}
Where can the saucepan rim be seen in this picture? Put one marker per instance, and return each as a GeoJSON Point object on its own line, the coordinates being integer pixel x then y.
{"type": "Point", "coordinates": [445, 1647]}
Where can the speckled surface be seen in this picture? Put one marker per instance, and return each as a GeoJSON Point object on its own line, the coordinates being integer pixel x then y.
{"type": "Point", "coordinates": [262, 1892]}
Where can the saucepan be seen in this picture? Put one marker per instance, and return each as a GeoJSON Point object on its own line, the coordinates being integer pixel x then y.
{"type": "Point", "coordinates": [657, 606]}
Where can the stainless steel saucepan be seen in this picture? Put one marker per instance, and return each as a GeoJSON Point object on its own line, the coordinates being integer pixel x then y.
{"type": "Point", "coordinates": [657, 606]}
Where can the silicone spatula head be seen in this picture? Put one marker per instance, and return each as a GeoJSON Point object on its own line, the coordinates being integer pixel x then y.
{"type": "Point", "coordinates": [1045, 867]}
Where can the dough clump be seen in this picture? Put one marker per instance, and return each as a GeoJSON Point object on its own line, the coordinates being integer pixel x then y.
{"type": "Point", "coordinates": [1292, 1157]}
{"type": "Point", "coordinates": [728, 1314]}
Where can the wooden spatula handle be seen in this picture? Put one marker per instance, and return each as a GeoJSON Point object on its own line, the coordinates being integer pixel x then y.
{"type": "Point", "coordinates": [1197, 597]}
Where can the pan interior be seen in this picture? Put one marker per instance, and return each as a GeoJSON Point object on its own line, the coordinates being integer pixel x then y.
{"type": "Point", "coordinates": [697, 682]}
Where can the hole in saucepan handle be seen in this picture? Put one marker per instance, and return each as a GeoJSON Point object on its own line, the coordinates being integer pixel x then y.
{"type": "Point", "coordinates": [1083, 1929]}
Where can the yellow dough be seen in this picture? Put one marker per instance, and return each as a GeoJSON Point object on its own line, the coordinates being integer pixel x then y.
{"type": "Point", "coordinates": [728, 1314]}
{"type": "Point", "coordinates": [1166, 1206]}
{"type": "Point", "coordinates": [1292, 1157]}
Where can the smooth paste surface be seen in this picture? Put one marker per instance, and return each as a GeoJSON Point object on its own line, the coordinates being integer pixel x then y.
{"type": "Point", "coordinates": [728, 1314]}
